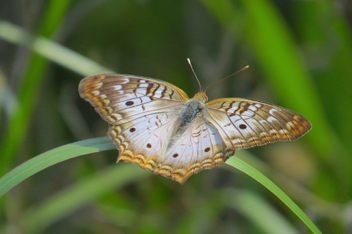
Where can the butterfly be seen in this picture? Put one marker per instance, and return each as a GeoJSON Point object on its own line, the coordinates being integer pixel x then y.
{"type": "Point", "coordinates": [157, 126]}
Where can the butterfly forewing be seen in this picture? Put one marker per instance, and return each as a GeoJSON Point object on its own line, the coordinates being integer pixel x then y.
{"type": "Point", "coordinates": [121, 98]}
{"type": "Point", "coordinates": [244, 123]}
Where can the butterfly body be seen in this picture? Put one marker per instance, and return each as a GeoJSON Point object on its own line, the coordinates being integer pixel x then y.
{"type": "Point", "coordinates": [190, 111]}
{"type": "Point", "coordinates": [156, 125]}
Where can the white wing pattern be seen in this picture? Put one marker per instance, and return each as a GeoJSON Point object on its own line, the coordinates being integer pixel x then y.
{"type": "Point", "coordinates": [244, 123]}
{"type": "Point", "coordinates": [157, 126]}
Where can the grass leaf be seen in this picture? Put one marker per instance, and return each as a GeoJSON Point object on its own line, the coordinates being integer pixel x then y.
{"type": "Point", "coordinates": [80, 148]}
{"type": "Point", "coordinates": [52, 157]}
{"type": "Point", "coordinates": [252, 172]}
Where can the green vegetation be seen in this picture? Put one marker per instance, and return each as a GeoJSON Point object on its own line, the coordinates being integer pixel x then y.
{"type": "Point", "coordinates": [300, 56]}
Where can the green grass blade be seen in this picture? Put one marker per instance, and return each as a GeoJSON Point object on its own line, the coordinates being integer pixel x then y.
{"type": "Point", "coordinates": [52, 157]}
{"type": "Point", "coordinates": [323, 25]}
{"type": "Point", "coordinates": [85, 191]}
{"type": "Point", "coordinates": [70, 199]}
{"type": "Point", "coordinates": [51, 50]}
{"type": "Point", "coordinates": [274, 46]}
{"type": "Point", "coordinates": [320, 26]}
{"type": "Point", "coordinates": [29, 86]}
{"type": "Point", "coordinates": [65, 152]}
{"type": "Point", "coordinates": [55, 12]}
{"type": "Point", "coordinates": [45, 49]}
{"type": "Point", "coordinates": [252, 172]}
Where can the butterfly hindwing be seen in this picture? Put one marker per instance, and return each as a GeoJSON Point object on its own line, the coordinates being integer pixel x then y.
{"type": "Point", "coordinates": [146, 143]}
{"type": "Point", "coordinates": [144, 140]}
{"type": "Point", "coordinates": [199, 147]}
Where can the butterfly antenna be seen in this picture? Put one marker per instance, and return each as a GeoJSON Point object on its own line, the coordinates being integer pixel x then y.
{"type": "Point", "coordinates": [246, 67]}
{"type": "Point", "coordinates": [190, 64]}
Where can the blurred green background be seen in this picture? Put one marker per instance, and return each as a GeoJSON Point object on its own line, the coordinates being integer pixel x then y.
{"type": "Point", "coordinates": [300, 57]}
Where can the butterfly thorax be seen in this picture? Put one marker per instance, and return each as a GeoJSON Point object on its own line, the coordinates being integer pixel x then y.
{"type": "Point", "coordinates": [201, 96]}
{"type": "Point", "coordinates": [192, 108]}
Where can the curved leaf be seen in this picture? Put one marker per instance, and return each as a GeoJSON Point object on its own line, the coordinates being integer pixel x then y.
{"type": "Point", "coordinates": [52, 157]}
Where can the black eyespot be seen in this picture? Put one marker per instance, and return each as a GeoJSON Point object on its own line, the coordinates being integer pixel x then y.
{"type": "Point", "coordinates": [132, 129]}
{"type": "Point", "coordinates": [243, 126]}
{"type": "Point", "coordinates": [207, 149]}
{"type": "Point", "coordinates": [175, 155]}
{"type": "Point", "coordinates": [129, 103]}
{"type": "Point", "coordinates": [149, 145]}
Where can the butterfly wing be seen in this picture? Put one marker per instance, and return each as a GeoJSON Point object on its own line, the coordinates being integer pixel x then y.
{"type": "Point", "coordinates": [199, 147]}
{"type": "Point", "coordinates": [150, 124]}
{"type": "Point", "coordinates": [122, 98]}
{"type": "Point", "coordinates": [144, 140]}
{"type": "Point", "coordinates": [244, 123]}
{"type": "Point", "coordinates": [142, 114]}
